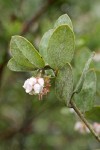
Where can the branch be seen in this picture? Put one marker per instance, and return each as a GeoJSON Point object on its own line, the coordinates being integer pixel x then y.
{"type": "Point", "coordinates": [27, 25]}
{"type": "Point", "coordinates": [84, 120]}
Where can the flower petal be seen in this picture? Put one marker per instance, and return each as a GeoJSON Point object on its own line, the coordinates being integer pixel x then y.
{"type": "Point", "coordinates": [32, 81]}
{"type": "Point", "coordinates": [37, 88]}
{"type": "Point", "coordinates": [41, 81]}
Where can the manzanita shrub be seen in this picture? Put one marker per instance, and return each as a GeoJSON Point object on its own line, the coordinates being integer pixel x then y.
{"type": "Point", "coordinates": [54, 60]}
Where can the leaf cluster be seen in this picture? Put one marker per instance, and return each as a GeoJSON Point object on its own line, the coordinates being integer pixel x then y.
{"type": "Point", "coordinates": [56, 50]}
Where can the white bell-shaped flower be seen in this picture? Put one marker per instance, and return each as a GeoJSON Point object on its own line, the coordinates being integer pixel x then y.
{"type": "Point", "coordinates": [41, 81]}
{"type": "Point", "coordinates": [32, 81]}
{"type": "Point", "coordinates": [27, 86]}
{"type": "Point", "coordinates": [37, 88]}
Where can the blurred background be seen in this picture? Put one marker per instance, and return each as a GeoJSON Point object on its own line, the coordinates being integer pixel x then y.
{"type": "Point", "coordinates": [25, 122]}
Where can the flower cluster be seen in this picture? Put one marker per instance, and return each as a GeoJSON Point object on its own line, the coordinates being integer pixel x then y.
{"type": "Point", "coordinates": [81, 127]}
{"type": "Point", "coordinates": [37, 85]}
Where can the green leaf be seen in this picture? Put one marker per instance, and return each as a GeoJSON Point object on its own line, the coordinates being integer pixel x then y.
{"type": "Point", "coordinates": [64, 20]}
{"type": "Point", "coordinates": [14, 66]}
{"type": "Point", "coordinates": [85, 99]}
{"type": "Point", "coordinates": [18, 56]}
{"type": "Point", "coordinates": [97, 61]}
{"type": "Point", "coordinates": [23, 51]}
{"type": "Point", "coordinates": [98, 82]}
{"type": "Point", "coordinates": [44, 44]}
{"type": "Point", "coordinates": [64, 83]}
{"type": "Point", "coordinates": [60, 47]}
{"type": "Point", "coordinates": [80, 58]}
{"type": "Point", "coordinates": [82, 78]}
{"type": "Point", "coordinates": [50, 72]}
{"type": "Point", "coordinates": [93, 114]}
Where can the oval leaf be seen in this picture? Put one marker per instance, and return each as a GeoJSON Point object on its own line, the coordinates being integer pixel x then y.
{"type": "Point", "coordinates": [18, 56]}
{"type": "Point", "coordinates": [85, 99]}
{"type": "Point", "coordinates": [44, 44]}
{"type": "Point", "coordinates": [64, 20]}
{"type": "Point", "coordinates": [82, 78]}
{"type": "Point", "coordinates": [97, 61]}
{"type": "Point", "coordinates": [60, 47]}
{"type": "Point", "coordinates": [98, 82]}
{"type": "Point", "coordinates": [93, 114]}
{"type": "Point", "coordinates": [20, 46]}
{"type": "Point", "coordinates": [64, 83]}
{"type": "Point", "coordinates": [80, 58]}
{"type": "Point", "coordinates": [14, 66]}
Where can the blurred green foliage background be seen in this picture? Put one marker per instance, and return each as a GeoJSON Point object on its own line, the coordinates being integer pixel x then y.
{"type": "Point", "coordinates": [25, 122]}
